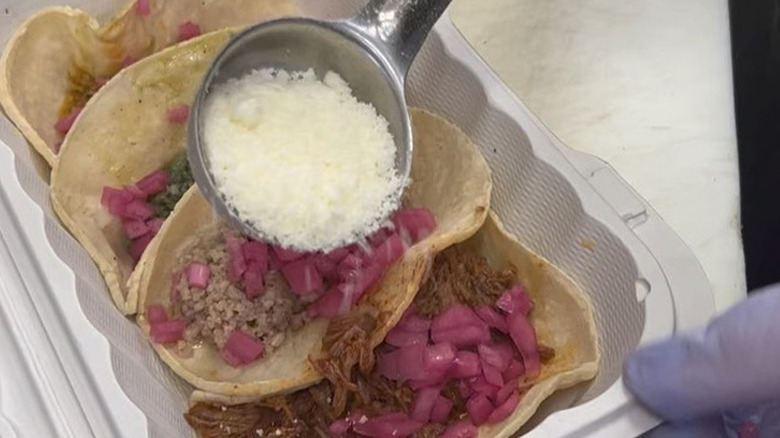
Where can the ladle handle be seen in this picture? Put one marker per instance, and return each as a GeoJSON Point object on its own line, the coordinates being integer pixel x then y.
{"type": "Point", "coordinates": [402, 25]}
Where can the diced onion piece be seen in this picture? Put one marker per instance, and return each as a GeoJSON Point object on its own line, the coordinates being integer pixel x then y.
{"type": "Point", "coordinates": [188, 30]}
{"type": "Point", "coordinates": [178, 115]}
{"type": "Point", "coordinates": [515, 370]}
{"type": "Point", "coordinates": [423, 404]}
{"type": "Point", "coordinates": [154, 183]}
{"type": "Point", "coordinates": [326, 267]}
{"type": "Point", "coordinates": [416, 223]}
{"type": "Point", "coordinates": [330, 305]}
{"type": "Point", "coordinates": [339, 427]}
{"type": "Point", "coordinates": [388, 426]}
{"type": "Point", "coordinates": [237, 263]}
{"type": "Point", "coordinates": [479, 409]}
{"type": "Point", "coordinates": [116, 200]}
{"type": "Point", "coordinates": [523, 335]}
{"type": "Point", "coordinates": [377, 237]}
{"type": "Point", "coordinates": [356, 285]}
{"type": "Point", "coordinates": [466, 364]}
{"type": "Point", "coordinates": [389, 251]}
{"type": "Point", "coordinates": [134, 192]}
{"type": "Point", "coordinates": [198, 275]}
{"type": "Point", "coordinates": [462, 429]}
{"type": "Point", "coordinates": [65, 122]}
{"type": "Point", "coordinates": [155, 224]}
{"type": "Point", "coordinates": [167, 331]}
{"type": "Point", "coordinates": [507, 350]}
{"type": "Point", "coordinates": [135, 228]}
{"type": "Point", "coordinates": [241, 349]}
{"type": "Point", "coordinates": [463, 336]}
{"type": "Point", "coordinates": [494, 356]}
{"type": "Point", "coordinates": [348, 266]}
{"type": "Point", "coordinates": [156, 314]}
{"type": "Point", "coordinates": [255, 251]}
{"type": "Point", "coordinates": [388, 365]}
{"type": "Point", "coordinates": [439, 358]}
{"type": "Point", "coordinates": [302, 276]}
{"type": "Point", "coordinates": [508, 389]}
{"type": "Point", "coordinates": [441, 410]}
{"type": "Point", "coordinates": [274, 263]}
{"type": "Point", "coordinates": [460, 326]}
{"type": "Point", "coordinates": [407, 363]}
{"type": "Point", "coordinates": [142, 8]}
{"type": "Point", "coordinates": [337, 255]}
{"type": "Point", "coordinates": [413, 322]}
{"type": "Point", "coordinates": [480, 385]}
{"type": "Point", "coordinates": [287, 255]}
{"type": "Point", "coordinates": [515, 299]}
{"type": "Point", "coordinates": [399, 337]}
{"type": "Point", "coordinates": [411, 362]}
{"type": "Point", "coordinates": [492, 375]}
{"type": "Point", "coordinates": [138, 209]}
{"type": "Point", "coordinates": [253, 280]}
{"type": "Point", "coordinates": [504, 410]}
{"type": "Point", "coordinates": [138, 246]}
{"type": "Point", "coordinates": [109, 194]}
{"type": "Point", "coordinates": [492, 318]}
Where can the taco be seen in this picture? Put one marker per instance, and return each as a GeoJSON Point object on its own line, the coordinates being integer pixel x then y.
{"type": "Point", "coordinates": [227, 333]}
{"type": "Point", "coordinates": [59, 58]}
{"type": "Point", "coordinates": [493, 331]}
{"type": "Point", "coordinates": [123, 166]}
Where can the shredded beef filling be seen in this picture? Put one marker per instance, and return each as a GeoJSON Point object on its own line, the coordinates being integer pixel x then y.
{"type": "Point", "coordinates": [351, 383]}
{"type": "Point", "coordinates": [460, 276]}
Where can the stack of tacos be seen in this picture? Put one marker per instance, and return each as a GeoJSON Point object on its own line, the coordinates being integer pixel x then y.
{"type": "Point", "coordinates": [441, 324]}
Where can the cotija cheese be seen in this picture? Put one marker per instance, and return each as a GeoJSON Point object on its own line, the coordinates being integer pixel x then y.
{"type": "Point", "coordinates": [301, 159]}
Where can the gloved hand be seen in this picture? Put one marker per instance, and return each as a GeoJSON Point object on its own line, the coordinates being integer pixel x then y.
{"type": "Point", "coordinates": [722, 381]}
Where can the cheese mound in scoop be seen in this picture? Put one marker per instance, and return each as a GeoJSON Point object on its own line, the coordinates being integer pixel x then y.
{"type": "Point", "coordinates": [301, 159]}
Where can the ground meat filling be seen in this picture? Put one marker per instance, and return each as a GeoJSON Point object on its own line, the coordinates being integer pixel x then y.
{"type": "Point", "coordinates": [214, 313]}
{"type": "Point", "coordinates": [351, 385]}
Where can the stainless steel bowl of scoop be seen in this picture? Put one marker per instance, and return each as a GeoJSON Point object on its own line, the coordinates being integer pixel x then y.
{"type": "Point", "coordinates": [372, 52]}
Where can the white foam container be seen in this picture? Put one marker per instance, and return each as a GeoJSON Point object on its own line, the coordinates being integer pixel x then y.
{"type": "Point", "coordinates": [72, 366]}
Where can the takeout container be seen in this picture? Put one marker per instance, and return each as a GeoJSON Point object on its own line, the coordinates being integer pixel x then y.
{"type": "Point", "coordinates": [73, 366]}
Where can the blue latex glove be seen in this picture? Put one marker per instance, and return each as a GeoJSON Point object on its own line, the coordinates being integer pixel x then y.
{"type": "Point", "coordinates": [722, 381]}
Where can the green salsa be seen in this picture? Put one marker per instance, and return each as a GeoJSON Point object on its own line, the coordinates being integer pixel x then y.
{"type": "Point", "coordinates": [181, 180]}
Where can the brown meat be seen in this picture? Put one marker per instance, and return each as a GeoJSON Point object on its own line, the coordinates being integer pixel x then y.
{"type": "Point", "coordinates": [213, 314]}
{"type": "Point", "coordinates": [460, 276]}
{"type": "Point", "coordinates": [346, 344]}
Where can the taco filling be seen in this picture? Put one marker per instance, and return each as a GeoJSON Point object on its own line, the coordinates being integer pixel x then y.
{"type": "Point", "coordinates": [461, 357]}
{"type": "Point", "coordinates": [142, 207]}
{"type": "Point", "coordinates": [244, 296]}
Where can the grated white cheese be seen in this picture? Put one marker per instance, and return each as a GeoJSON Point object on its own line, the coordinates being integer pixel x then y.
{"type": "Point", "coordinates": [302, 160]}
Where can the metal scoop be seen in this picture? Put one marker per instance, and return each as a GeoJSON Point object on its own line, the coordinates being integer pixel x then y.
{"type": "Point", "coordinates": [372, 52]}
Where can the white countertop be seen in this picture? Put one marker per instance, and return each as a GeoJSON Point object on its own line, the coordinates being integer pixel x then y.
{"type": "Point", "coordinates": [646, 86]}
